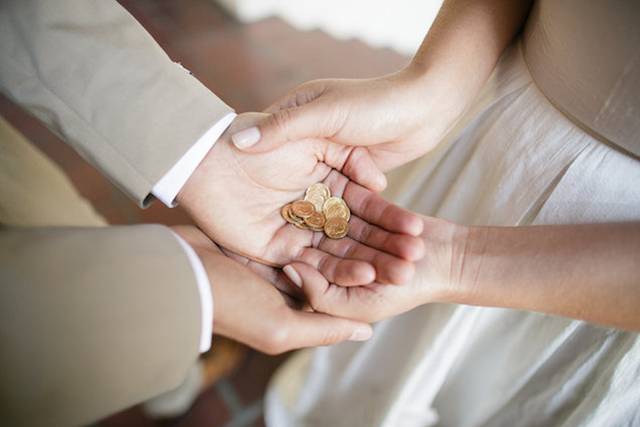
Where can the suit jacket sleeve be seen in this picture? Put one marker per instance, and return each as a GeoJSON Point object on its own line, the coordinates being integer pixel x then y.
{"type": "Point", "coordinates": [93, 74]}
{"type": "Point", "coordinates": [80, 343]}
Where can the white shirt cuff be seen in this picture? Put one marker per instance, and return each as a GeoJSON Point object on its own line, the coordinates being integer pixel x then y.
{"type": "Point", "coordinates": [204, 290]}
{"type": "Point", "coordinates": [168, 187]}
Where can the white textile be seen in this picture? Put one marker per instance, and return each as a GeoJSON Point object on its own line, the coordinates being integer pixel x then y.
{"type": "Point", "coordinates": [512, 160]}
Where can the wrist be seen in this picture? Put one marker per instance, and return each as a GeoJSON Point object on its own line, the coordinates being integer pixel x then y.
{"type": "Point", "coordinates": [442, 268]}
{"type": "Point", "coordinates": [205, 174]}
{"type": "Point", "coordinates": [468, 252]}
{"type": "Point", "coordinates": [448, 93]}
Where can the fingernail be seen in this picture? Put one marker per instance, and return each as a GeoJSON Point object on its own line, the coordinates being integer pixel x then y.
{"type": "Point", "coordinates": [246, 138]}
{"type": "Point", "coordinates": [382, 181]}
{"type": "Point", "coordinates": [361, 334]}
{"type": "Point", "coordinates": [293, 275]}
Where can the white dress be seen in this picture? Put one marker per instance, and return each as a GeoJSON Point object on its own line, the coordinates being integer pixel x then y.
{"type": "Point", "coordinates": [514, 159]}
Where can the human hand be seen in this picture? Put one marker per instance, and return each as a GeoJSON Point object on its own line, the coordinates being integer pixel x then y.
{"type": "Point", "coordinates": [436, 280]}
{"type": "Point", "coordinates": [251, 310]}
{"type": "Point", "coordinates": [397, 117]}
{"type": "Point", "coordinates": [236, 198]}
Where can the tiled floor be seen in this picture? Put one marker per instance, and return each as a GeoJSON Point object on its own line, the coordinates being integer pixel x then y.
{"type": "Point", "coordinates": [248, 66]}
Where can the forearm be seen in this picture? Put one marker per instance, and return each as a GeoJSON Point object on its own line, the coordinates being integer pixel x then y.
{"type": "Point", "coordinates": [464, 43]}
{"type": "Point", "coordinates": [95, 76]}
{"type": "Point", "coordinates": [589, 272]}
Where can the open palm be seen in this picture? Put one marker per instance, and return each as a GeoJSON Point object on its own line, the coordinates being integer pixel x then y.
{"type": "Point", "coordinates": [434, 281]}
{"type": "Point", "coordinates": [236, 197]}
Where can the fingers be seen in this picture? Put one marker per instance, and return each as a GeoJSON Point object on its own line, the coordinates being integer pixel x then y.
{"type": "Point", "coordinates": [298, 115]}
{"type": "Point", "coordinates": [372, 208]}
{"type": "Point", "coordinates": [361, 168]}
{"type": "Point", "coordinates": [389, 253]}
{"type": "Point", "coordinates": [388, 268]}
{"type": "Point", "coordinates": [286, 125]}
{"type": "Point", "coordinates": [311, 329]}
{"type": "Point", "coordinates": [293, 329]}
{"type": "Point", "coordinates": [252, 311]}
{"type": "Point", "coordinates": [345, 272]}
{"type": "Point", "coordinates": [356, 164]}
{"type": "Point", "coordinates": [325, 297]}
{"type": "Point", "coordinates": [375, 210]}
{"type": "Point", "coordinates": [299, 96]}
{"type": "Point", "coordinates": [403, 246]}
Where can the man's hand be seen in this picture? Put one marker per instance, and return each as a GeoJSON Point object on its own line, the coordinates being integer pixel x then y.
{"type": "Point", "coordinates": [236, 199]}
{"type": "Point", "coordinates": [435, 281]}
{"type": "Point", "coordinates": [251, 310]}
{"type": "Point", "coordinates": [397, 117]}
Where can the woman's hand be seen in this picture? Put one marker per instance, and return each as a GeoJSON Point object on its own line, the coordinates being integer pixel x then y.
{"type": "Point", "coordinates": [397, 117]}
{"type": "Point", "coordinates": [436, 280]}
{"type": "Point", "coordinates": [587, 272]}
{"type": "Point", "coordinates": [401, 116]}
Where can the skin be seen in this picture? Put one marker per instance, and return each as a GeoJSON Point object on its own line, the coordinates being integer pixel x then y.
{"type": "Point", "coordinates": [588, 272]}
{"type": "Point", "coordinates": [261, 316]}
{"type": "Point", "coordinates": [235, 198]}
{"type": "Point", "coordinates": [401, 116]}
{"type": "Point", "coordinates": [378, 301]}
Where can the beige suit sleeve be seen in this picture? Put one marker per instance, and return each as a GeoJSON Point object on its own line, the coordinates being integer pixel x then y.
{"type": "Point", "coordinates": [93, 74]}
{"type": "Point", "coordinates": [80, 343]}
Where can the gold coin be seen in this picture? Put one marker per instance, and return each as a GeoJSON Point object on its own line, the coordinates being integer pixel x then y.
{"type": "Point", "coordinates": [315, 221]}
{"type": "Point", "coordinates": [336, 228]}
{"type": "Point", "coordinates": [302, 209]}
{"type": "Point", "coordinates": [298, 222]}
{"type": "Point", "coordinates": [301, 225]}
{"type": "Point", "coordinates": [317, 200]}
{"type": "Point", "coordinates": [317, 194]}
{"type": "Point", "coordinates": [319, 189]}
{"type": "Point", "coordinates": [336, 207]}
{"type": "Point", "coordinates": [285, 212]}
{"type": "Point", "coordinates": [288, 215]}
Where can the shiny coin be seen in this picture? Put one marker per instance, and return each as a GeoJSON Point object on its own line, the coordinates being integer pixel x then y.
{"type": "Point", "coordinates": [287, 214]}
{"type": "Point", "coordinates": [315, 221]}
{"type": "Point", "coordinates": [302, 209]}
{"type": "Point", "coordinates": [317, 200]}
{"type": "Point", "coordinates": [317, 194]}
{"type": "Point", "coordinates": [336, 228]}
{"type": "Point", "coordinates": [335, 207]}
{"type": "Point", "coordinates": [318, 189]}
{"type": "Point", "coordinates": [301, 225]}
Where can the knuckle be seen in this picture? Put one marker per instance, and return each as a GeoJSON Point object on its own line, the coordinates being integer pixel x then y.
{"type": "Point", "coordinates": [363, 233]}
{"type": "Point", "coordinates": [318, 300]}
{"type": "Point", "coordinates": [280, 120]}
{"type": "Point", "coordinates": [276, 341]}
{"type": "Point", "coordinates": [350, 250]}
{"type": "Point", "coordinates": [333, 336]}
{"type": "Point", "coordinates": [315, 302]}
{"type": "Point", "coordinates": [326, 266]}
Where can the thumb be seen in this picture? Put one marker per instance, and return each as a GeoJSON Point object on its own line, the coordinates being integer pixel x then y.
{"type": "Point", "coordinates": [311, 329]}
{"type": "Point", "coordinates": [286, 125]}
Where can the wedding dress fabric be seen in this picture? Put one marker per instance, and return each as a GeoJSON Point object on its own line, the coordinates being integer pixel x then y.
{"type": "Point", "coordinates": [519, 156]}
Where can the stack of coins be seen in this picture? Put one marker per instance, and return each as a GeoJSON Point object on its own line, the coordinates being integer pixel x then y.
{"type": "Point", "coordinates": [319, 211]}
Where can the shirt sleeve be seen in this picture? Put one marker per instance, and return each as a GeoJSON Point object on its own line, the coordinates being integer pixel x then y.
{"type": "Point", "coordinates": [168, 187]}
{"type": "Point", "coordinates": [204, 290]}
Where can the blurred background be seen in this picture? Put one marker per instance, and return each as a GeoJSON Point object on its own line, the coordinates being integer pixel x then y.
{"type": "Point", "coordinates": [249, 52]}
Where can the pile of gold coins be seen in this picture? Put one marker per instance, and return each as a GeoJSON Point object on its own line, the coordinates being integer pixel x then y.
{"type": "Point", "coordinates": [319, 211]}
